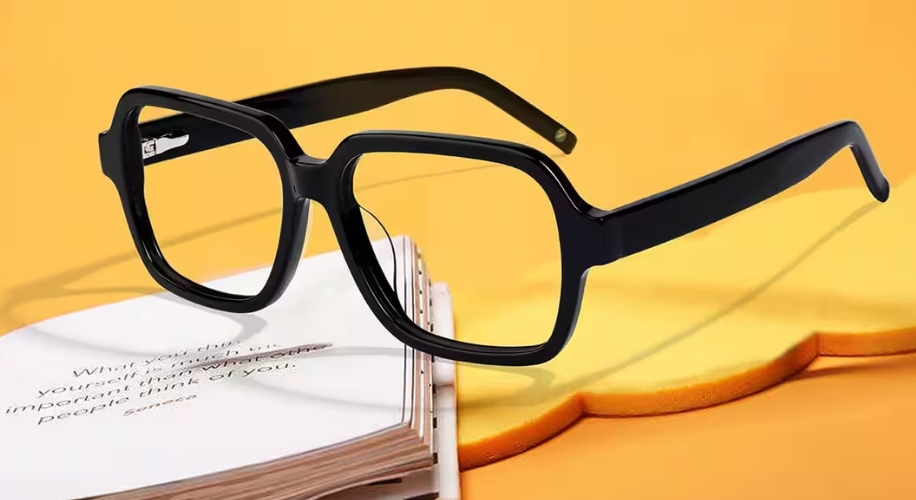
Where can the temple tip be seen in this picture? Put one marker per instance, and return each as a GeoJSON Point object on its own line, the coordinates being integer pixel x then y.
{"type": "Point", "coordinates": [881, 189]}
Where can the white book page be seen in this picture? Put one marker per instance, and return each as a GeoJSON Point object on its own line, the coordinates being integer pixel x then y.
{"type": "Point", "coordinates": [154, 389]}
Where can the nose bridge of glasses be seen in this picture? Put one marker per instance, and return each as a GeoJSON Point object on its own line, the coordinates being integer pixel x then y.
{"type": "Point", "coordinates": [314, 179]}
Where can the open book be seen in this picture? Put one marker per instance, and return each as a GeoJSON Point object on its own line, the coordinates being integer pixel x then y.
{"type": "Point", "coordinates": [156, 398]}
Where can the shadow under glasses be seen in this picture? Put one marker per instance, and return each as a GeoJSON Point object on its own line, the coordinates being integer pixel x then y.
{"type": "Point", "coordinates": [541, 377]}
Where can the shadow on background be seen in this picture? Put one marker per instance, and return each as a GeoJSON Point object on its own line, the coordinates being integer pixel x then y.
{"type": "Point", "coordinates": [543, 389]}
{"type": "Point", "coordinates": [886, 365]}
{"type": "Point", "coordinates": [542, 378]}
{"type": "Point", "coordinates": [56, 287]}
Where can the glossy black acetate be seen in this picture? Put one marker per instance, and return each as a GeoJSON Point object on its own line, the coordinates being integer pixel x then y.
{"type": "Point", "coordinates": [588, 236]}
{"type": "Point", "coordinates": [340, 97]}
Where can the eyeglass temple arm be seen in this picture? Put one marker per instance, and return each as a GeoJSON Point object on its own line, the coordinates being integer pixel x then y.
{"type": "Point", "coordinates": [668, 215]}
{"type": "Point", "coordinates": [340, 97]}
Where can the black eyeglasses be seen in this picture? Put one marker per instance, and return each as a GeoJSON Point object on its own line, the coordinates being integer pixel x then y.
{"type": "Point", "coordinates": [585, 235]}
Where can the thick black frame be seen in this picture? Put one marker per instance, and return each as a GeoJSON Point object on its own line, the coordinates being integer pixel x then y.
{"type": "Point", "coordinates": [588, 235]}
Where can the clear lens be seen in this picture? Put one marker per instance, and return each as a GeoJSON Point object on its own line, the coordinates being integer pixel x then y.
{"type": "Point", "coordinates": [486, 230]}
{"type": "Point", "coordinates": [216, 213]}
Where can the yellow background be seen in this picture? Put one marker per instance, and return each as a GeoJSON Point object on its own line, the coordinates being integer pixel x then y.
{"type": "Point", "coordinates": [658, 93]}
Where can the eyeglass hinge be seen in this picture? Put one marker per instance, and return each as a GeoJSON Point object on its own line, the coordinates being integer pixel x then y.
{"type": "Point", "coordinates": [159, 145]}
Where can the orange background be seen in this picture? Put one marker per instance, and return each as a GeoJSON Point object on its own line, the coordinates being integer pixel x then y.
{"type": "Point", "coordinates": [658, 93]}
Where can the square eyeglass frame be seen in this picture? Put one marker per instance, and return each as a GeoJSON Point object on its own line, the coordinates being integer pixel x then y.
{"type": "Point", "coordinates": [588, 236]}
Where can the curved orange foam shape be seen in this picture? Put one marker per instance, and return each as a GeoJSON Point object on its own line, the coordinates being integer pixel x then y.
{"type": "Point", "coordinates": [705, 320]}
